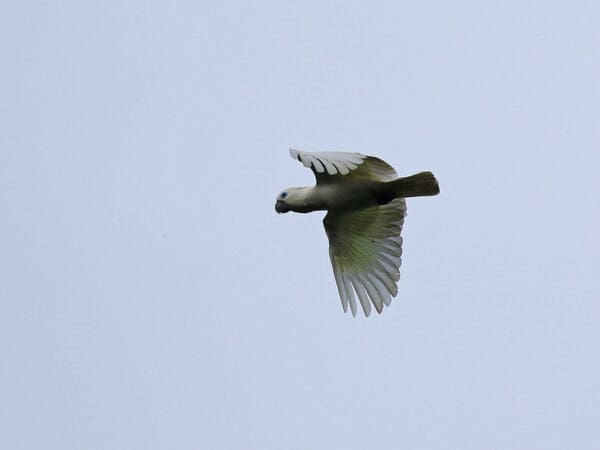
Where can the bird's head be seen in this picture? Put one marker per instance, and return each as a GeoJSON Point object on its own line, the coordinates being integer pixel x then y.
{"type": "Point", "coordinates": [292, 199]}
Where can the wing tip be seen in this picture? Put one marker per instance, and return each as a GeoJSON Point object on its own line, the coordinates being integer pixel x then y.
{"type": "Point", "coordinates": [332, 163]}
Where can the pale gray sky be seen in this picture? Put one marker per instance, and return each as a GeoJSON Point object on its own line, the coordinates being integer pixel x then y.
{"type": "Point", "coordinates": [151, 297]}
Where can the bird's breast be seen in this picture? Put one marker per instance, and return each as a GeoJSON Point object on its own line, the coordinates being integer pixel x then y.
{"type": "Point", "coordinates": [347, 196]}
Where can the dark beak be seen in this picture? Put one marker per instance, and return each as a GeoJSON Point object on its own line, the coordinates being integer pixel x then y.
{"type": "Point", "coordinates": [281, 207]}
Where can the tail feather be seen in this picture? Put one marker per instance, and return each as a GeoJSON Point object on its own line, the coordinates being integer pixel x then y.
{"type": "Point", "coordinates": [418, 185]}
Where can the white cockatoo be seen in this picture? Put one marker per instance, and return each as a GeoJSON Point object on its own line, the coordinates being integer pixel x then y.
{"type": "Point", "coordinates": [364, 200]}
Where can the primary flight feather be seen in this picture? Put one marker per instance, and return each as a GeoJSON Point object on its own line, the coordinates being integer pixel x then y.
{"type": "Point", "coordinates": [364, 200]}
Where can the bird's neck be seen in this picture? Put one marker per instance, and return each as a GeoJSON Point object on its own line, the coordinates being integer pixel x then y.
{"type": "Point", "coordinates": [308, 199]}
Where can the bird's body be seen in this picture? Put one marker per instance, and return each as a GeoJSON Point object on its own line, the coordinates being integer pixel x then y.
{"type": "Point", "coordinates": [365, 202]}
{"type": "Point", "coordinates": [333, 197]}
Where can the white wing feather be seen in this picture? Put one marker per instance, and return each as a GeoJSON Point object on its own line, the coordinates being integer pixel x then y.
{"type": "Point", "coordinates": [365, 253]}
{"type": "Point", "coordinates": [332, 163]}
{"type": "Point", "coordinates": [344, 166]}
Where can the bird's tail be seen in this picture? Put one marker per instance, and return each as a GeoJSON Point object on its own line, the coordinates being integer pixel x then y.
{"type": "Point", "coordinates": [418, 185]}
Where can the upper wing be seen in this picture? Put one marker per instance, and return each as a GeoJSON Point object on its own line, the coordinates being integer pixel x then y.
{"type": "Point", "coordinates": [342, 166]}
{"type": "Point", "coordinates": [365, 248]}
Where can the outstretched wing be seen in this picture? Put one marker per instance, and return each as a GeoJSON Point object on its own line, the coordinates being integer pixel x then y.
{"type": "Point", "coordinates": [334, 167]}
{"type": "Point", "coordinates": [365, 248]}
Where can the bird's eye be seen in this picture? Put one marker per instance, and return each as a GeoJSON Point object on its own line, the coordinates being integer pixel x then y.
{"type": "Point", "coordinates": [283, 194]}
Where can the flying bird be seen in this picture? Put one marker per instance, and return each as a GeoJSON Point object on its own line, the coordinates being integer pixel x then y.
{"type": "Point", "coordinates": [364, 200]}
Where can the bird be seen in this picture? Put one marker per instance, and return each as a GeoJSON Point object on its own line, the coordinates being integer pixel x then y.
{"type": "Point", "coordinates": [365, 203]}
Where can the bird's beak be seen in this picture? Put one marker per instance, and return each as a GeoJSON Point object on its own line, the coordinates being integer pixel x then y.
{"type": "Point", "coordinates": [281, 207]}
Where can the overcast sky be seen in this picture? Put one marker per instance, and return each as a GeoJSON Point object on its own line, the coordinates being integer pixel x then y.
{"type": "Point", "coordinates": [151, 297]}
